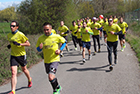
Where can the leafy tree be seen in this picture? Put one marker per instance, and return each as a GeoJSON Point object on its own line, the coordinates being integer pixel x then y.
{"type": "Point", "coordinates": [8, 14]}
{"type": "Point", "coordinates": [33, 13]}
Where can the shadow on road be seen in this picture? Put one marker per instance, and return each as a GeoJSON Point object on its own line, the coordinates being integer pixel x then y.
{"type": "Point", "coordinates": [71, 62]}
{"type": "Point", "coordinates": [16, 90]}
{"type": "Point", "coordinates": [89, 69]}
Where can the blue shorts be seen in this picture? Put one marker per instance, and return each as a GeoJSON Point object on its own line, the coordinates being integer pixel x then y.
{"type": "Point", "coordinates": [86, 44]}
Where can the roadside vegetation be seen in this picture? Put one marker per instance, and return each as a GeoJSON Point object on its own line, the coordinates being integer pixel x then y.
{"type": "Point", "coordinates": [133, 37]}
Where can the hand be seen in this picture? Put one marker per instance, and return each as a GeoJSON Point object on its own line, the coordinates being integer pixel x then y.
{"type": "Point", "coordinates": [96, 28]}
{"type": "Point", "coordinates": [62, 33]}
{"type": "Point", "coordinates": [112, 32]}
{"type": "Point", "coordinates": [41, 46]}
{"type": "Point", "coordinates": [14, 42]}
{"type": "Point", "coordinates": [9, 46]}
{"type": "Point", "coordinates": [57, 52]}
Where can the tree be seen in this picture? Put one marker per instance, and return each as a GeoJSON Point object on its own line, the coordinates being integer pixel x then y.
{"type": "Point", "coordinates": [8, 14]}
{"type": "Point", "coordinates": [33, 13]}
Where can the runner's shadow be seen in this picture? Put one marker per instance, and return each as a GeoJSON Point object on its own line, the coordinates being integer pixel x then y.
{"type": "Point", "coordinates": [71, 62]}
{"type": "Point", "coordinates": [16, 90]}
{"type": "Point", "coordinates": [90, 69]}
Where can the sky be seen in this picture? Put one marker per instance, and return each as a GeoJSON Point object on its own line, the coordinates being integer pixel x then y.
{"type": "Point", "coordinates": [7, 3]}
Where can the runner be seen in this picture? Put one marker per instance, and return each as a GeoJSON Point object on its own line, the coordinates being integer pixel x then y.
{"type": "Point", "coordinates": [18, 41]}
{"type": "Point", "coordinates": [96, 28]}
{"type": "Point", "coordinates": [85, 33]}
{"type": "Point", "coordinates": [104, 24]}
{"type": "Point", "coordinates": [73, 29]}
{"type": "Point", "coordinates": [88, 23]}
{"type": "Point", "coordinates": [78, 32]}
{"type": "Point", "coordinates": [63, 30]}
{"type": "Point", "coordinates": [115, 19]}
{"type": "Point", "coordinates": [112, 32]}
{"type": "Point", "coordinates": [101, 21]}
{"type": "Point", "coordinates": [48, 42]}
{"type": "Point", "coordinates": [124, 27]}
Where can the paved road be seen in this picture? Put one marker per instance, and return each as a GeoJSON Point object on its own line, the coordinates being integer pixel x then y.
{"type": "Point", "coordinates": [93, 77]}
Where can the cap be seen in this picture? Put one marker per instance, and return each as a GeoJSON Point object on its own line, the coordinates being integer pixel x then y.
{"type": "Point", "coordinates": [101, 16]}
{"type": "Point", "coordinates": [94, 18]}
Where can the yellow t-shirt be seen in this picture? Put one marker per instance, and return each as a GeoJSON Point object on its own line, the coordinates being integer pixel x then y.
{"type": "Point", "coordinates": [123, 26]}
{"type": "Point", "coordinates": [105, 24]}
{"type": "Point", "coordinates": [53, 31]}
{"type": "Point", "coordinates": [18, 37]}
{"type": "Point", "coordinates": [88, 24]}
{"type": "Point", "coordinates": [114, 28]}
{"type": "Point", "coordinates": [50, 45]}
{"type": "Point", "coordinates": [73, 29]}
{"type": "Point", "coordinates": [96, 32]}
{"type": "Point", "coordinates": [79, 33]}
{"type": "Point", "coordinates": [101, 22]}
{"type": "Point", "coordinates": [85, 35]}
{"type": "Point", "coordinates": [63, 29]}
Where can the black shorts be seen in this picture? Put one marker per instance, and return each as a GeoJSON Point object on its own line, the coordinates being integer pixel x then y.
{"type": "Point", "coordinates": [16, 60]}
{"type": "Point", "coordinates": [51, 67]}
{"type": "Point", "coordinates": [122, 36]}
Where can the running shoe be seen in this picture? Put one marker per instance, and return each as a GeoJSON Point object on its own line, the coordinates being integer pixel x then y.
{"type": "Point", "coordinates": [122, 49]}
{"type": "Point", "coordinates": [61, 55]}
{"type": "Point", "coordinates": [115, 61]}
{"type": "Point", "coordinates": [12, 92]}
{"type": "Point", "coordinates": [57, 91]}
{"type": "Point", "coordinates": [75, 49]}
{"type": "Point", "coordinates": [99, 51]}
{"type": "Point", "coordinates": [111, 67]}
{"type": "Point", "coordinates": [84, 60]}
{"type": "Point", "coordinates": [124, 46]}
{"type": "Point", "coordinates": [30, 83]}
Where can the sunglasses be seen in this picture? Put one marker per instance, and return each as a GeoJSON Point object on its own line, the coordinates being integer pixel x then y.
{"type": "Point", "coordinates": [46, 29]}
{"type": "Point", "coordinates": [12, 25]}
{"type": "Point", "coordinates": [110, 20]}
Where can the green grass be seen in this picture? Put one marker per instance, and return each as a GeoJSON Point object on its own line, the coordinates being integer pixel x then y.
{"type": "Point", "coordinates": [135, 44]}
{"type": "Point", "coordinates": [134, 38]}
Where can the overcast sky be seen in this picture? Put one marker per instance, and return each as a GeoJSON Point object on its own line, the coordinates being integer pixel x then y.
{"type": "Point", "coordinates": [7, 3]}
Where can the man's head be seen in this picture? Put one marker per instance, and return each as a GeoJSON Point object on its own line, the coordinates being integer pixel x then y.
{"type": "Point", "coordinates": [14, 26]}
{"type": "Point", "coordinates": [110, 21]}
{"type": "Point", "coordinates": [62, 23]}
{"type": "Point", "coordinates": [121, 19]}
{"type": "Point", "coordinates": [73, 23]}
{"type": "Point", "coordinates": [47, 28]}
{"type": "Point", "coordinates": [79, 25]}
{"type": "Point", "coordinates": [94, 19]}
{"type": "Point", "coordinates": [84, 24]}
{"type": "Point", "coordinates": [105, 19]}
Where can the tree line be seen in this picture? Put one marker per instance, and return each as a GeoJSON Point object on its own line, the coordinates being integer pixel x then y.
{"type": "Point", "coordinates": [33, 13]}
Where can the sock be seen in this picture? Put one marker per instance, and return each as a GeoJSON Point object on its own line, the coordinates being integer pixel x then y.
{"type": "Point", "coordinates": [30, 80]}
{"type": "Point", "coordinates": [54, 84]}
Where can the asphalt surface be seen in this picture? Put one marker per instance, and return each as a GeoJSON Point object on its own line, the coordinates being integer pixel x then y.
{"type": "Point", "coordinates": [93, 77]}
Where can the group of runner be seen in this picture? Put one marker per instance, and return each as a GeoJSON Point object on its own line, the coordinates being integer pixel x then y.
{"type": "Point", "coordinates": [112, 28]}
{"type": "Point", "coordinates": [81, 32]}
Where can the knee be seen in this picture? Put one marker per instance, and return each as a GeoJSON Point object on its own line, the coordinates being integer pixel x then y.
{"type": "Point", "coordinates": [14, 73]}
{"type": "Point", "coordinates": [51, 77]}
{"type": "Point", "coordinates": [24, 69]}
